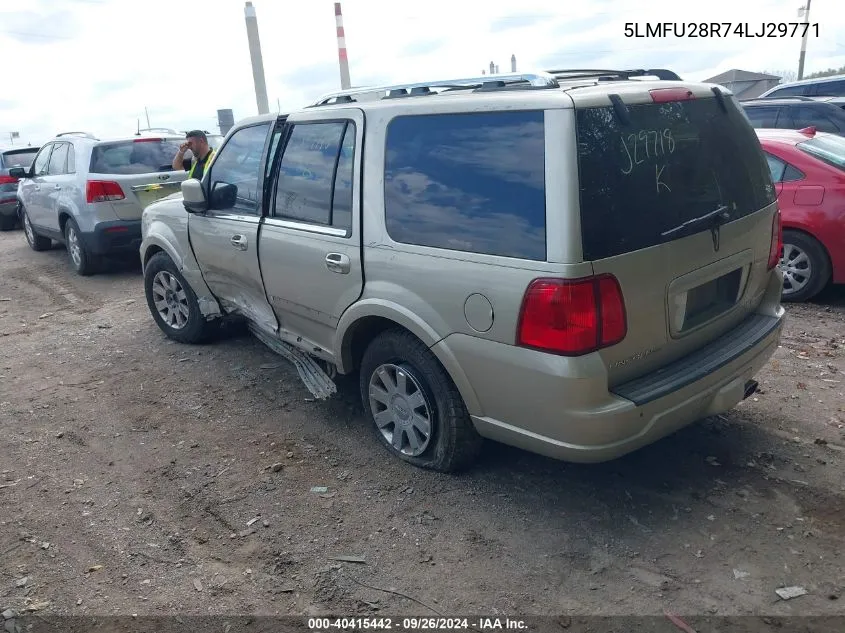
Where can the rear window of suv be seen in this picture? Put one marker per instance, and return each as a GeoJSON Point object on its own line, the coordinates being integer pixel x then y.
{"type": "Point", "coordinates": [671, 163]}
{"type": "Point", "coordinates": [470, 182]}
{"type": "Point", "coordinates": [137, 156]}
{"type": "Point", "coordinates": [18, 158]}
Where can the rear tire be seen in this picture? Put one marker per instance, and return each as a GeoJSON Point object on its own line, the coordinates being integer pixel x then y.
{"type": "Point", "coordinates": [36, 242]}
{"type": "Point", "coordinates": [172, 302]}
{"type": "Point", "coordinates": [83, 262]}
{"type": "Point", "coordinates": [416, 410]}
{"type": "Point", "coordinates": [806, 266]}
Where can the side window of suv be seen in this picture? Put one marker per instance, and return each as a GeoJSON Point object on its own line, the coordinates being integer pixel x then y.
{"type": "Point", "coordinates": [315, 174]}
{"type": "Point", "coordinates": [58, 160]}
{"type": "Point", "coordinates": [470, 182]}
{"type": "Point", "coordinates": [39, 165]}
{"type": "Point", "coordinates": [805, 116]}
{"type": "Point", "coordinates": [763, 116]}
{"type": "Point", "coordinates": [235, 172]}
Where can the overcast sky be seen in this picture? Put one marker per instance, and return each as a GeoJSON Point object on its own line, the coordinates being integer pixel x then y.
{"type": "Point", "coordinates": [94, 64]}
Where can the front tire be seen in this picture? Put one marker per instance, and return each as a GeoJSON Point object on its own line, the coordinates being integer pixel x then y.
{"type": "Point", "coordinates": [805, 265]}
{"type": "Point", "coordinates": [36, 242]}
{"type": "Point", "coordinates": [172, 302]}
{"type": "Point", "coordinates": [416, 410]}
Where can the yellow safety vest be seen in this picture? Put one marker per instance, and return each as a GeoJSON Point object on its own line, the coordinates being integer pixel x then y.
{"type": "Point", "coordinates": [207, 163]}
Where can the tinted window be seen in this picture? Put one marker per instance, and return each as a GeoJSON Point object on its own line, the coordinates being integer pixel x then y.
{"type": "Point", "coordinates": [831, 88]}
{"type": "Point", "coordinates": [141, 156]}
{"type": "Point", "coordinates": [18, 158]}
{"type": "Point", "coordinates": [672, 163]}
{"type": "Point", "coordinates": [468, 182]}
{"type": "Point", "coordinates": [307, 171]}
{"type": "Point", "coordinates": [342, 201]}
{"type": "Point", "coordinates": [40, 165]}
{"type": "Point", "coordinates": [238, 163]}
{"type": "Point", "coordinates": [805, 116]}
{"type": "Point", "coordinates": [776, 167]}
{"type": "Point", "coordinates": [792, 174]}
{"type": "Point", "coordinates": [58, 159]}
{"type": "Point", "coordinates": [790, 91]}
{"type": "Point", "coordinates": [762, 116]}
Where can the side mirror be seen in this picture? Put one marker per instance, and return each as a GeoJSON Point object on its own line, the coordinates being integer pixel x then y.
{"type": "Point", "coordinates": [193, 197]}
{"type": "Point", "coordinates": [223, 195]}
{"type": "Point", "coordinates": [19, 172]}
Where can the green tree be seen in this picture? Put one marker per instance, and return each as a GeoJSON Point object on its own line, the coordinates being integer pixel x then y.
{"type": "Point", "coordinates": [826, 73]}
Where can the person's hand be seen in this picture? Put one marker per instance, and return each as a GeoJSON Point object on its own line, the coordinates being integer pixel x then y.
{"type": "Point", "coordinates": [184, 147]}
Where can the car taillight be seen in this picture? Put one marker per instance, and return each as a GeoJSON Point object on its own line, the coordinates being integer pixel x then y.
{"type": "Point", "coordinates": [572, 317]}
{"type": "Point", "coordinates": [103, 191]}
{"type": "Point", "coordinates": [776, 244]}
{"type": "Point", "coordinates": [7, 180]}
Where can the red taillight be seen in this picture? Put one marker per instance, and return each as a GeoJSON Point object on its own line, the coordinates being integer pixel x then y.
{"type": "Point", "coordinates": [148, 140]}
{"type": "Point", "coordinates": [103, 191]}
{"type": "Point", "coordinates": [572, 317]}
{"type": "Point", "coordinates": [665, 95]}
{"type": "Point", "coordinates": [777, 241]}
{"type": "Point", "coordinates": [7, 180]}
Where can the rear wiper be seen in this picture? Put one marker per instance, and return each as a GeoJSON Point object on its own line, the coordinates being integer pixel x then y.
{"type": "Point", "coordinates": [715, 218]}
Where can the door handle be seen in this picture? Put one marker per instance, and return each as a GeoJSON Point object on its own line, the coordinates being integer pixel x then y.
{"type": "Point", "coordinates": [239, 242]}
{"type": "Point", "coordinates": [338, 263]}
{"type": "Point", "coordinates": [57, 187]}
{"type": "Point", "coordinates": [36, 187]}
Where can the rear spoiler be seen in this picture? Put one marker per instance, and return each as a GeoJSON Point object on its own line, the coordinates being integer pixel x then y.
{"type": "Point", "coordinates": [614, 75]}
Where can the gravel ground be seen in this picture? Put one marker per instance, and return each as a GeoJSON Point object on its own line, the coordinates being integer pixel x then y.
{"type": "Point", "coordinates": [140, 476]}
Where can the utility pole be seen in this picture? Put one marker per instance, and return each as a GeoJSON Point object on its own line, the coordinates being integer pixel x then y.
{"type": "Point", "coordinates": [806, 11]}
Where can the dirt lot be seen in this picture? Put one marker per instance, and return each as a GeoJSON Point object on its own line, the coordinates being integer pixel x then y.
{"type": "Point", "coordinates": [141, 476]}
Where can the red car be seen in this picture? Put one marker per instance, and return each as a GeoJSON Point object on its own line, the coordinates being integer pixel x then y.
{"type": "Point", "coordinates": [808, 170]}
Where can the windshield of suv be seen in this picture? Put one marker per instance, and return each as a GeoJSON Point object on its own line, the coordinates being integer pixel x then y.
{"type": "Point", "coordinates": [136, 156]}
{"type": "Point", "coordinates": [19, 158]}
{"type": "Point", "coordinates": [830, 149]}
{"type": "Point", "coordinates": [672, 163]}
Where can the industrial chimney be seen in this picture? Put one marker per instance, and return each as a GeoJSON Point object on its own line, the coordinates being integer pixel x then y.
{"type": "Point", "coordinates": [513, 63]}
{"type": "Point", "coordinates": [341, 49]}
{"type": "Point", "coordinates": [255, 56]}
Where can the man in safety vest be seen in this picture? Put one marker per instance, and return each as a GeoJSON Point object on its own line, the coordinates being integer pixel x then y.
{"type": "Point", "coordinates": [197, 142]}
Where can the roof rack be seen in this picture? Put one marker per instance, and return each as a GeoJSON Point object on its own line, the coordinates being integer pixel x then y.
{"type": "Point", "coordinates": [784, 98]}
{"type": "Point", "coordinates": [169, 130]}
{"type": "Point", "coordinates": [614, 75]}
{"type": "Point", "coordinates": [502, 81]}
{"type": "Point", "coordinates": [85, 134]}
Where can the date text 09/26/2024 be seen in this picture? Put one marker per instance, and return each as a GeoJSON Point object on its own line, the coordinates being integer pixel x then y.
{"type": "Point", "coordinates": [721, 29]}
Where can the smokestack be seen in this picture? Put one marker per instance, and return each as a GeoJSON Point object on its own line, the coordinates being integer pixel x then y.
{"type": "Point", "coordinates": [492, 68]}
{"type": "Point", "coordinates": [341, 49]}
{"type": "Point", "coordinates": [497, 69]}
{"type": "Point", "coordinates": [513, 63]}
{"type": "Point", "coordinates": [255, 56]}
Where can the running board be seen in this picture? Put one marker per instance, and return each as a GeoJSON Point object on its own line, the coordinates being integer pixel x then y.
{"type": "Point", "coordinates": [316, 380]}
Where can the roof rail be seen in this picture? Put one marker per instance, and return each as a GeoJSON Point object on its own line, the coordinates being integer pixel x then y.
{"type": "Point", "coordinates": [784, 98]}
{"type": "Point", "coordinates": [579, 73]}
{"type": "Point", "coordinates": [484, 82]}
{"type": "Point", "coordinates": [85, 134]}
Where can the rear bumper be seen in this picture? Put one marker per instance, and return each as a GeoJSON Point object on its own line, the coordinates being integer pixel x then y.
{"type": "Point", "coordinates": [119, 236]}
{"type": "Point", "coordinates": [556, 407]}
{"type": "Point", "coordinates": [8, 207]}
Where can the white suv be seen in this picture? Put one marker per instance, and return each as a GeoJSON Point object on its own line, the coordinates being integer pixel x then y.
{"type": "Point", "coordinates": [89, 193]}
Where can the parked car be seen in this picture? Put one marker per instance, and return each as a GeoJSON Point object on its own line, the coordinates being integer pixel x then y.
{"type": "Point", "coordinates": [577, 269]}
{"type": "Point", "coordinates": [9, 159]}
{"type": "Point", "coordinates": [832, 86]}
{"type": "Point", "coordinates": [808, 169]}
{"type": "Point", "coordinates": [795, 113]}
{"type": "Point", "coordinates": [88, 193]}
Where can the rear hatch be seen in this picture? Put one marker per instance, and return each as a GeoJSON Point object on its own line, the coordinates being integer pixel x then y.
{"type": "Point", "coordinates": [134, 173]}
{"type": "Point", "coordinates": [13, 158]}
{"type": "Point", "coordinates": [676, 202]}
